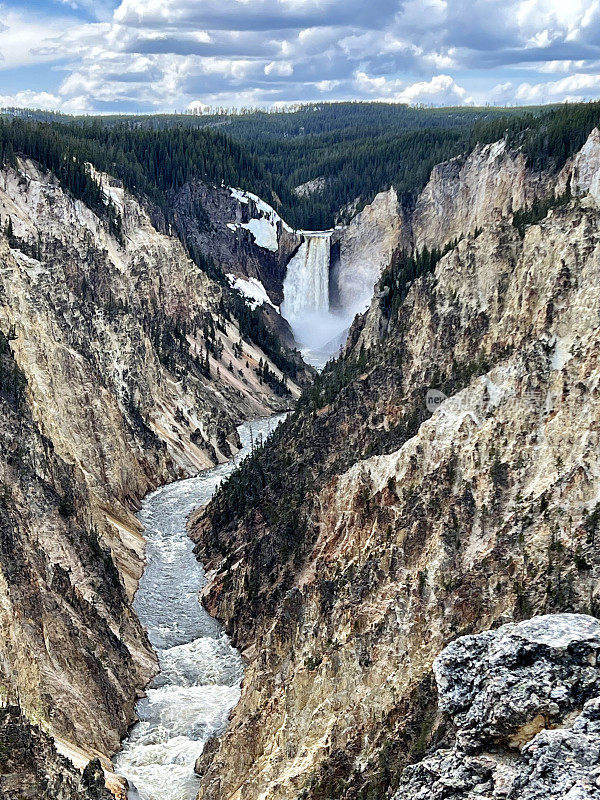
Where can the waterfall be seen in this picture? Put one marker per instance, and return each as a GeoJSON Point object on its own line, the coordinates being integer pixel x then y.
{"type": "Point", "coordinates": [306, 297]}
{"type": "Point", "coordinates": [306, 285]}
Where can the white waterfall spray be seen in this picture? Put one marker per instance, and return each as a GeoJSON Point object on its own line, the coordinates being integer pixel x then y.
{"type": "Point", "coordinates": [306, 296]}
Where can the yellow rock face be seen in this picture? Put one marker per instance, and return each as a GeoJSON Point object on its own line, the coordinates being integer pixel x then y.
{"type": "Point", "coordinates": [484, 514]}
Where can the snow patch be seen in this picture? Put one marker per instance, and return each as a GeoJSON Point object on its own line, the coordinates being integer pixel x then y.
{"type": "Point", "coordinates": [253, 290]}
{"type": "Point", "coordinates": [264, 232]}
{"type": "Point", "coordinates": [496, 393]}
{"type": "Point", "coordinates": [263, 208]}
{"type": "Point", "coordinates": [240, 196]}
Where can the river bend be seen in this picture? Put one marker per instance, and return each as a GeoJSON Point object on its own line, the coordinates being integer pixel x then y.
{"type": "Point", "coordinates": [200, 672]}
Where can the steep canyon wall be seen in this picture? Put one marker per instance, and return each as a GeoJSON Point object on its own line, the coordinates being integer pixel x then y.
{"type": "Point", "coordinates": [382, 530]}
{"type": "Point", "coordinates": [121, 370]}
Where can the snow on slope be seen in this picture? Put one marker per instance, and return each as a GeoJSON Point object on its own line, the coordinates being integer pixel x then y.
{"type": "Point", "coordinates": [264, 232]}
{"type": "Point", "coordinates": [264, 228]}
{"type": "Point", "coordinates": [253, 290]}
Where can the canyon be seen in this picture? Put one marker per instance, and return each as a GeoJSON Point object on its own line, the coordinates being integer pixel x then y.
{"type": "Point", "coordinates": [345, 555]}
{"type": "Point", "coordinates": [310, 283]}
{"type": "Point", "coordinates": [200, 672]}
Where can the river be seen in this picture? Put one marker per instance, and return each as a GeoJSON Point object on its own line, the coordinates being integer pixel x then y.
{"type": "Point", "coordinates": [200, 672]}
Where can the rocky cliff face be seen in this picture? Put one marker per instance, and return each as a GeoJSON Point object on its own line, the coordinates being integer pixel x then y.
{"type": "Point", "coordinates": [122, 369]}
{"type": "Point", "coordinates": [123, 343]}
{"type": "Point", "coordinates": [386, 523]}
{"type": "Point", "coordinates": [467, 193]}
{"type": "Point", "coordinates": [246, 238]}
{"type": "Point", "coordinates": [581, 173]}
{"type": "Point", "coordinates": [72, 653]}
{"type": "Point", "coordinates": [363, 248]}
{"type": "Point", "coordinates": [239, 231]}
{"type": "Point", "coordinates": [30, 767]}
{"type": "Point", "coordinates": [461, 196]}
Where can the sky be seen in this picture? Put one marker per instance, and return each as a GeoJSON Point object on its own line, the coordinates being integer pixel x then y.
{"type": "Point", "coordinates": [139, 56]}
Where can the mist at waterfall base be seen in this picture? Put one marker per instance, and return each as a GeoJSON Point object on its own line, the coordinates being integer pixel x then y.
{"type": "Point", "coordinates": [318, 330]}
{"type": "Point", "coordinates": [200, 672]}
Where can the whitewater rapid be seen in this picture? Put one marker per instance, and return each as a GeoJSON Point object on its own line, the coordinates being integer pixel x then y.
{"type": "Point", "coordinates": [200, 672]}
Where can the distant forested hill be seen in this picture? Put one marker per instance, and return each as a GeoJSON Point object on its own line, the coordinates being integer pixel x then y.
{"type": "Point", "coordinates": [361, 149]}
{"type": "Point", "coordinates": [356, 149]}
{"type": "Point", "coordinates": [149, 162]}
{"type": "Point", "coordinates": [359, 118]}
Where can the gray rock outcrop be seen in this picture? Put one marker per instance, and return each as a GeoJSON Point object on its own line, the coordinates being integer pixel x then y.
{"type": "Point", "coordinates": [525, 702]}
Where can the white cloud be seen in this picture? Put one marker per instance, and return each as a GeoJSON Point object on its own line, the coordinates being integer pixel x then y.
{"type": "Point", "coordinates": [365, 83]}
{"type": "Point", "coordinates": [441, 60]}
{"type": "Point", "coordinates": [548, 20]}
{"type": "Point", "coordinates": [502, 93]}
{"type": "Point", "coordinates": [45, 100]}
{"type": "Point", "coordinates": [26, 41]}
{"type": "Point", "coordinates": [540, 39]}
{"type": "Point", "coordinates": [572, 88]}
{"type": "Point", "coordinates": [441, 89]}
{"type": "Point", "coordinates": [327, 86]}
{"type": "Point", "coordinates": [566, 65]}
{"type": "Point", "coordinates": [236, 70]}
{"type": "Point", "coordinates": [282, 68]}
{"type": "Point", "coordinates": [197, 106]}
